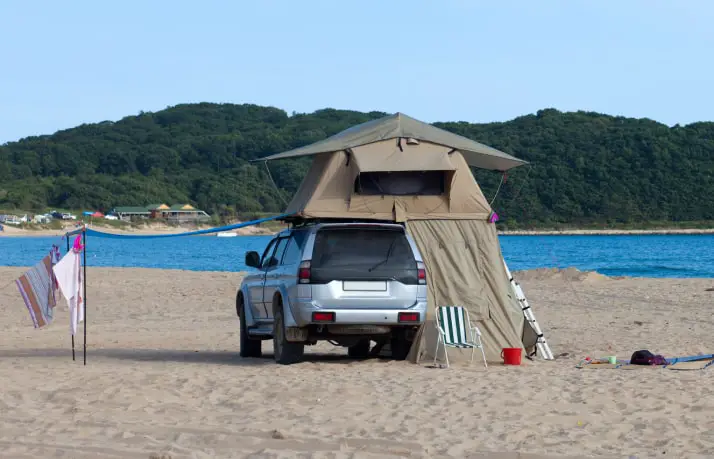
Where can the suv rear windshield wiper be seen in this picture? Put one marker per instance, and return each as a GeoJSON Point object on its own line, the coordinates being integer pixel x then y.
{"type": "Point", "coordinates": [389, 252]}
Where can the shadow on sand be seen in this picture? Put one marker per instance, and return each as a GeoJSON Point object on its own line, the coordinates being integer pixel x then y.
{"type": "Point", "coordinates": [174, 355]}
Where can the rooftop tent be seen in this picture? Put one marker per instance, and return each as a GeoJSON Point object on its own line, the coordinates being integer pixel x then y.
{"type": "Point", "coordinates": [393, 180]}
{"type": "Point", "coordinates": [403, 170]}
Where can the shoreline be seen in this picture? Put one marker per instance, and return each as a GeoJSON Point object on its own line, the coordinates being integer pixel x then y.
{"type": "Point", "coordinates": [257, 231]}
{"type": "Point", "coordinates": [19, 232]}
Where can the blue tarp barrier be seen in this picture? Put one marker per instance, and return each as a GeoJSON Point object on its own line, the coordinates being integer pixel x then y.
{"type": "Point", "coordinates": [94, 233]}
{"type": "Point", "coordinates": [692, 358]}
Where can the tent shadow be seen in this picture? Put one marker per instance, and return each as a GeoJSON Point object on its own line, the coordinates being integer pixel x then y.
{"type": "Point", "coordinates": [173, 355]}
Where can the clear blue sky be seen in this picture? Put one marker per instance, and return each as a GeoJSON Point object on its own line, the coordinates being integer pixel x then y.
{"type": "Point", "coordinates": [72, 62]}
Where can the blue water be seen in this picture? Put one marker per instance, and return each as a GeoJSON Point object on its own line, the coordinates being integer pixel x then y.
{"type": "Point", "coordinates": [642, 256]}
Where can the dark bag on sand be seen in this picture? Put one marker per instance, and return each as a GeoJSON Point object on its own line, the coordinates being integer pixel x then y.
{"type": "Point", "coordinates": [645, 357]}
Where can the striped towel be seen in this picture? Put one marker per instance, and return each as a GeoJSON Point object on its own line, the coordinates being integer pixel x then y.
{"type": "Point", "coordinates": [37, 287]}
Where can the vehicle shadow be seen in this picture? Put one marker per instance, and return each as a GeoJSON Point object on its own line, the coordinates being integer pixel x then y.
{"type": "Point", "coordinates": [215, 357]}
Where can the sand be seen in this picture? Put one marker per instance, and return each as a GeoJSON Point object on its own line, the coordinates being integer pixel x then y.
{"type": "Point", "coordinates": [164, 378]}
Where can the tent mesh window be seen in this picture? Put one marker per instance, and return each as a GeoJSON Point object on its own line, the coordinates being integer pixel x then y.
{"type": "Point", "coordinates": [403, 183]}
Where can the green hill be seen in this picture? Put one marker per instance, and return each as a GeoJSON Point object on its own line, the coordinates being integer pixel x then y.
{"type": "Point", "coordinates": [586, 167]}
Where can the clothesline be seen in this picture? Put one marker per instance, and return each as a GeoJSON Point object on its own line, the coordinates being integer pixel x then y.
{"type": "Point", "coordinates": [95, 233]}
{"type": "Point", "coordinates": [38, 286]}
{"type": "Point", "coordinates": [69, 274]}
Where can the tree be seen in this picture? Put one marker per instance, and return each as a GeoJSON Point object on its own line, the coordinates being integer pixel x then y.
{"type": "Point", "coordinates": [584, 167]}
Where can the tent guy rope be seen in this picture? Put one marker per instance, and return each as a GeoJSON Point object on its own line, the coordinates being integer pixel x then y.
{"type": "Point", "coordinates": [270, 176]}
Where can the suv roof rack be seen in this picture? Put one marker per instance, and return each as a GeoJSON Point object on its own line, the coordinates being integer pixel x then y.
{"type": "Point", "coordinates": [300, 222]}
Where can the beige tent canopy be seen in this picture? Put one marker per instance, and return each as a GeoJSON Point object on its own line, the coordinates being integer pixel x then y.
{"type": "Point", "coordinates": [402, 126]}
{"type": "Point", "coordinates": [403, 170]}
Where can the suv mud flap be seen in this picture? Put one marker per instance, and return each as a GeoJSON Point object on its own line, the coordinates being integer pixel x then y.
{"type": "Point", "coordinates": [411, 332]}
{"type": "Point", "coordinates": [296, 334]}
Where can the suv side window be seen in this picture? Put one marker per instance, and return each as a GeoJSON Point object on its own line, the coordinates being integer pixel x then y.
{"type": "Point", "coordinates": [278, 255]}
{"type": "Point", "coordinates": [267, 253]}
{"type": "Point", "coordinates": [293, 252]}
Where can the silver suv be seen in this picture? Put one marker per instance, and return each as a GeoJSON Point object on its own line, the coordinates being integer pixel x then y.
{"type": "Point", "coordinates": [347, 283]}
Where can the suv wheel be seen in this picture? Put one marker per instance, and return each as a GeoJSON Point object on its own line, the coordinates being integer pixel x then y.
{"type": "Point", "coordinates": [284, 351]}
{"type": "Point", "coordinates": [400, 345]}
{"type": "Point", "coordinates": [248, 347]}
{"type": "Point", "coordinates": [359, 350]}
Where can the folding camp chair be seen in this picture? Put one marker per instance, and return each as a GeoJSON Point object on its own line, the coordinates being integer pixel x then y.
{"type": "Point", "coordinates": [453, 323]}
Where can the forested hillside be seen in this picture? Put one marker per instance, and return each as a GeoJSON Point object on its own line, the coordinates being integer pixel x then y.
{"type": "Point", "coordinates": [586, 167]}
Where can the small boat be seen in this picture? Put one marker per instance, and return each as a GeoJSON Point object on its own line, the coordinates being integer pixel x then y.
{"type": "Point", "coordinates": [225, 234]}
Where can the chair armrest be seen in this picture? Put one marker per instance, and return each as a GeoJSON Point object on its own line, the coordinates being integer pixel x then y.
{"type": "Point", "coordinates": [475, 334]}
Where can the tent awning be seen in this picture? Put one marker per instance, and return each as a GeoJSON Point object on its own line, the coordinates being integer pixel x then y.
{"type": "Point", "coordinates": [401, 126]}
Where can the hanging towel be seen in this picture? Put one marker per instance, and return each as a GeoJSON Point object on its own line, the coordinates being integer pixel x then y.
{"type": "Point", "coordinates": [69, 278]}
{"type": "Point", "coordinates": [37, 287]}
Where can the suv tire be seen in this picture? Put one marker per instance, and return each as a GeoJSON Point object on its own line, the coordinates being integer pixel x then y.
{"type": "Point", "coordinates": [284, 351]}
{"type": "Point", "coordinates": [248, 347]}
{"type": "Point", "coordinates": [400, 345]}
{"type": "Point", "coordinates": [359, 350]}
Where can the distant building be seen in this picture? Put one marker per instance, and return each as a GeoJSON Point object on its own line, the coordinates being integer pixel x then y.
{"type": "Point", "coordinates": [131, 213]}
{"type": "Point", "coordinates": [178, 213]}
{"type": "Point", "coordinates": [156, 210]}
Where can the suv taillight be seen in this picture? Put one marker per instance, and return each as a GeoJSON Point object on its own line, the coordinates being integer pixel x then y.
{"type": "Point", "coordinates": [304, 272]}
{"type": "Point", "coordinates": [421, 272]}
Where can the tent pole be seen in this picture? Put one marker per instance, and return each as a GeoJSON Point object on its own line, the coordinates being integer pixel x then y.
{"type": "Point", "coordinates": [84, 287]}
{"type": "Point", "coordinates": [73, 357]}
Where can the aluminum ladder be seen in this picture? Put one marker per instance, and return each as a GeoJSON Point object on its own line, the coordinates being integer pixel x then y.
{"type": "Point", "coordinates": [541, 343]}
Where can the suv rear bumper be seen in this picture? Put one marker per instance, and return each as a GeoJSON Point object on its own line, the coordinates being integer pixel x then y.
{"type": "Point", "coordinates": [302, 312]}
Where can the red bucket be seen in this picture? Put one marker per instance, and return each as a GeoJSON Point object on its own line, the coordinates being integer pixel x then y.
{"type": "Point", "coordinates": [511, 355]}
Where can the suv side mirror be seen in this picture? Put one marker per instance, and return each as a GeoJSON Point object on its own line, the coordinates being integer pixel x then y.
{"type": "Point", "coordinates": [252, 259]}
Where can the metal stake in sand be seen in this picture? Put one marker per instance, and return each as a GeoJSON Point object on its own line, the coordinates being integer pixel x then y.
{"type": "Point", "coordinates": [67, 237]}
{"type": "Point", "coordinates": [84, 288]}
{"type": "Point", "coordinates": [82, 230]}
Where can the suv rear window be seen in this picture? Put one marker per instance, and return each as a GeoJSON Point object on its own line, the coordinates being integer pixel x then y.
{"type": "Point", "coordinates": [362, 254]}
